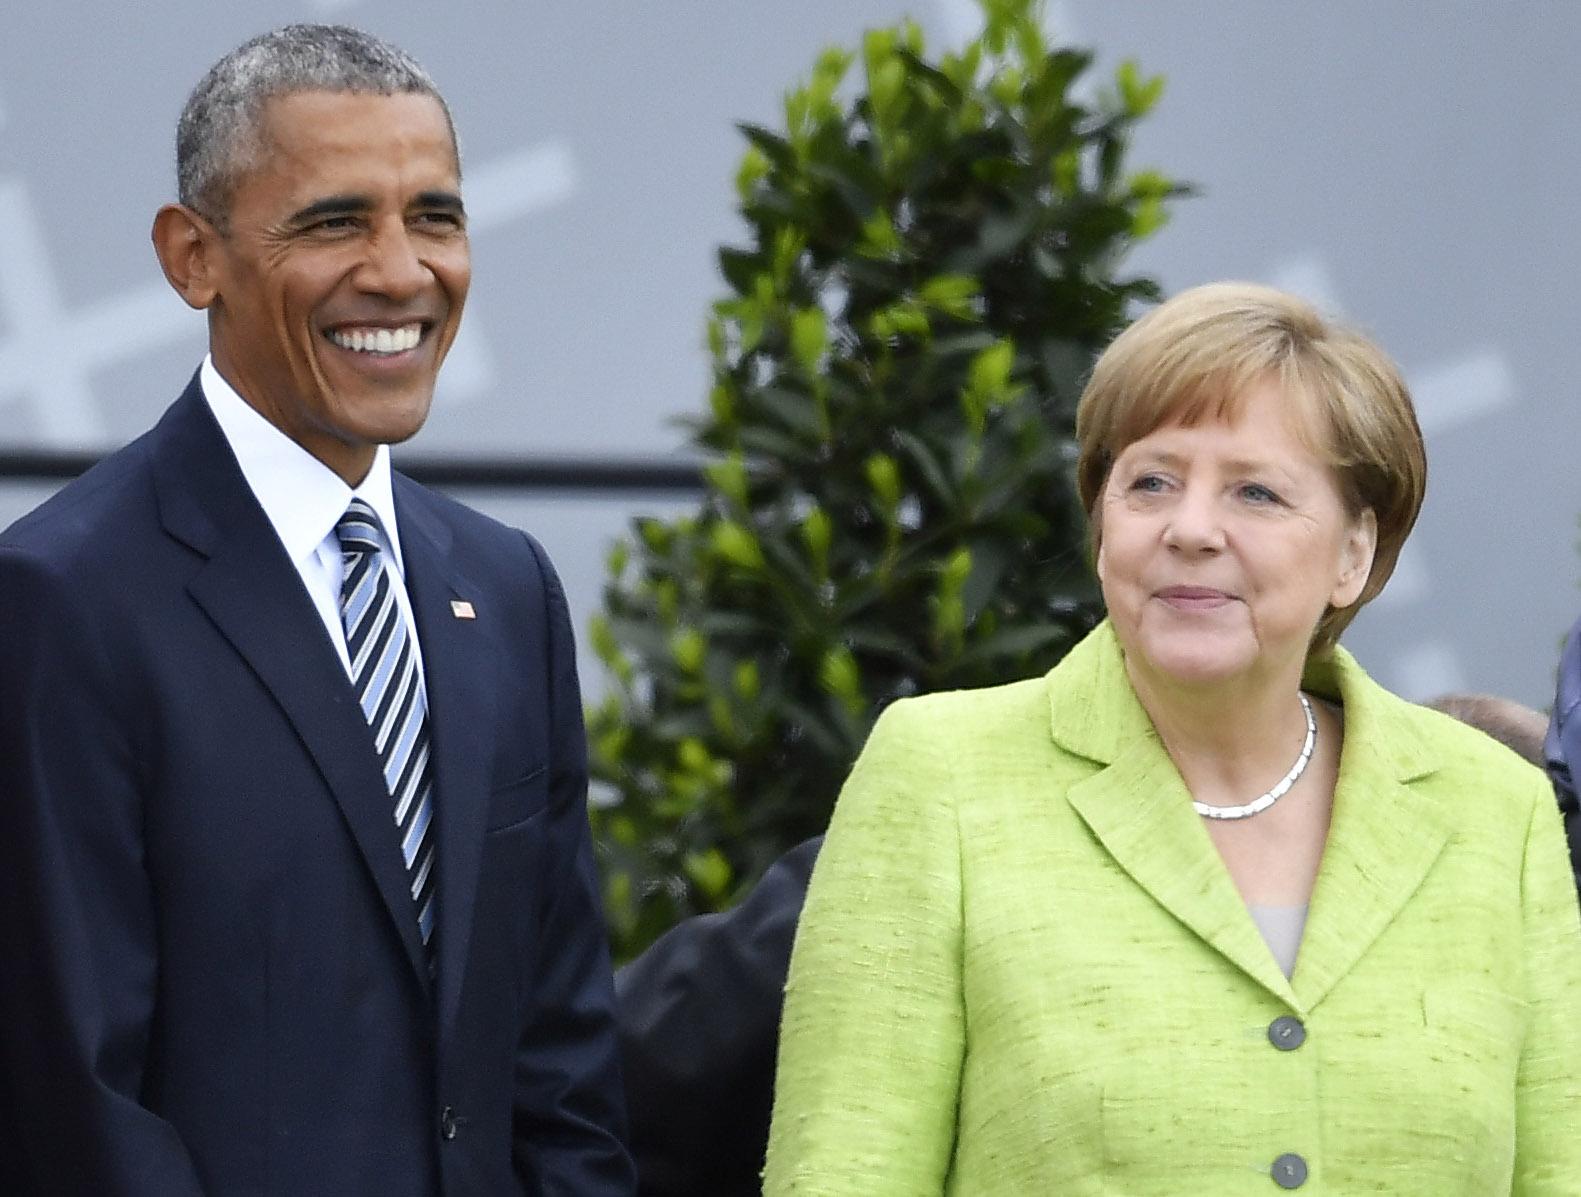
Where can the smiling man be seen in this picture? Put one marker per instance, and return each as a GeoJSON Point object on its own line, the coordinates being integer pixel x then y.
{"type": "Point", "coordinates": [294, 863]}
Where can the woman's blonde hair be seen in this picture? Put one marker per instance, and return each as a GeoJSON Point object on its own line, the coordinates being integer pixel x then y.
{"type": "Point", "coordinates": [1198, 355]}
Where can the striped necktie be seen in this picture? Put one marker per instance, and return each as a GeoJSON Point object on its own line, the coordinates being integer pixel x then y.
{"type": "Point", "coordinates": [385, 675]}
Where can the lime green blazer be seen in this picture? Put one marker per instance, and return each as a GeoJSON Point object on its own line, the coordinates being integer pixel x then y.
{"type": "Point", "coordinates": [1023, 968]}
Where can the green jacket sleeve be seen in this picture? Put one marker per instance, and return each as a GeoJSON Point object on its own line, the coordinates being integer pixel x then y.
{"type": "Point", "coordinates": [873, 1033]}
{"type": "Point", "coordinates": [1548, 1086]}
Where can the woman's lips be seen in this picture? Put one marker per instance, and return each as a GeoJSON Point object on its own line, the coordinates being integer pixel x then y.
{"type": "Point", "coordinates": [1194, 598]}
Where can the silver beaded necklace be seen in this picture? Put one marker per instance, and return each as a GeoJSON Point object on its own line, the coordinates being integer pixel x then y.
{"type": "Point", "coordinates": [1263, 801]}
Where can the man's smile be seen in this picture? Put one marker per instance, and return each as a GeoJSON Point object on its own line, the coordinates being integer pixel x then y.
{"type": "Point", "coordinates": [381, 341]}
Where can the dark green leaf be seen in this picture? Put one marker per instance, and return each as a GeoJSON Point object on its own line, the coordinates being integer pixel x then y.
{"type": "Point", "coordinates": [739, 268]}
{"type": "Point", "coordinates": [927, 464]}
{"type": "Point", "coordinates": [775, 148]}
{"type": "Point", "coordinates": [936, 79]}
{"type": "Point", "coordinates": [1015, 642]}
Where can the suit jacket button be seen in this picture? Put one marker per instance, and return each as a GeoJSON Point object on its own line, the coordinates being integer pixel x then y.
{"type": "Point", "coordinates": [1287, 1033]}
{"type": "Point", "coordinates": [447, 1123]}
{"type": "Point", "coordinates": [1290, 1171]}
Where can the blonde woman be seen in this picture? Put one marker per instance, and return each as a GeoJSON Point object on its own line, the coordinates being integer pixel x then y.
{"type": "Point", "coordinates": [1205, 909]}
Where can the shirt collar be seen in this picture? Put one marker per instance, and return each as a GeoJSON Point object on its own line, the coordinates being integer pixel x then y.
{"type": "Point", "coordinates": [302, 497]}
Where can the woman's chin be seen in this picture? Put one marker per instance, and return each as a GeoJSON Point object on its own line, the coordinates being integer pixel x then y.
{"type": "Point", "coordinates": [1198, 661]}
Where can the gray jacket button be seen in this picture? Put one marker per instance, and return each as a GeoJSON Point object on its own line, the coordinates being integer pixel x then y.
{"type": "Point", "coordinates": [1290, 1171]}
{"type": "Point", "coordinates": [1287, 1033]}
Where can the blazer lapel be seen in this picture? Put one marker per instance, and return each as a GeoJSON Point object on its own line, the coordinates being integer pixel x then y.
{"type": "Point", "coordinates": [457, 654]}
{"type": "Point", "coordinates": [251, 592]}
{"type": "Point", "coordinates": [1381, 844]}
{"type": "Point", "coordinates": [1382, 838]}
{"type": "Point", "coordinates": [1140, 811]}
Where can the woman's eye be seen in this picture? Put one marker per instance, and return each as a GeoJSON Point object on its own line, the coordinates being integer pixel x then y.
{"type": "Point", "coordinates": [1150, 484]}
{"type": "Point", "coordinates": [1255, 492]}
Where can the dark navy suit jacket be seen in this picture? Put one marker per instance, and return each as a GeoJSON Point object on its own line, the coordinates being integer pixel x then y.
{"type": "Point", "coordinates": [210, 976]}
{"type": "Point", "coordinates": [1563, 745]}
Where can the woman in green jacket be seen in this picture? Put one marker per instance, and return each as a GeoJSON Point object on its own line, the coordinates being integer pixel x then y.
{"type": "Point", "coordinates": [1204, 910]}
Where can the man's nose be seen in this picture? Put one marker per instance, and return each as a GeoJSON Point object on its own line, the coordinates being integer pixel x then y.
{"type": "Point", "coordinates": [392, 266]}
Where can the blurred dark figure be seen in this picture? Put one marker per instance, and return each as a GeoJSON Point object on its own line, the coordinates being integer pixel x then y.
{"type": "Point", "coordinates": [1562, 749]}
{"type": "Point", "coordinates": [699, 1019]}
{"type": "Point", "coordinates": [1530, 734]}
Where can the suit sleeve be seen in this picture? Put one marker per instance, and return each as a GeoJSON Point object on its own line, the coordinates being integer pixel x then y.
{"type": "Point", "coordinates": [569, 1120]}
{"type": "Point", "coordinates": [874, 1031]}
{"type": "Point", "coordinates": [1548, 1086]}
{"type": "Point", "coordinates": [699, 1025]}
{"type": "Point", "coordinates": [1562, 747]}
{"type": "Point", "coordinates": [78, 937]}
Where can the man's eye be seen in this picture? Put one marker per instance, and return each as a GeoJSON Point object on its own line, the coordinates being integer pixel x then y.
{"type": "Point", "coordinates": [332, 224]}
{"type": "Point", "coordinates": [448, 220]}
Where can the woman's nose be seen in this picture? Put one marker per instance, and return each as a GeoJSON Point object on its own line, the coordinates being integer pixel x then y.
{"type": "Point", "coordinates": [1195, 522]}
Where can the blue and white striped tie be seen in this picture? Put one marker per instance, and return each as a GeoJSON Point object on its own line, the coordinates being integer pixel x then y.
{"type": "Point", "coordinates": [390, 688]}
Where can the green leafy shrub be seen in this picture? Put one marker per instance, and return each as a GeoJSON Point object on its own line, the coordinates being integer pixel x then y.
{"type": "Point", "coordinates": [930, 270]}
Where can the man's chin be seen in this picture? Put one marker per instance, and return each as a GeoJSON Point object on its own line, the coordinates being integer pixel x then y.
{"type": "Point", "coordinates": [384, 419]}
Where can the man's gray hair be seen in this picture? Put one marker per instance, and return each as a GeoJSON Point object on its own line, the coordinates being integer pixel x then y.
{"type": "Point", "coordinates": [219, 135]}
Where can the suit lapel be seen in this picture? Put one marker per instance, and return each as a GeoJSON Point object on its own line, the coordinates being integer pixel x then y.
{"type": "Point", "coordinates": [1383, 839]}
{"type": "Point", "coordinates": [457, 655]}
{"type": "Point", "coordinates": [251, 592]}
{"type": "Point", "coordinates": [1139, 809]}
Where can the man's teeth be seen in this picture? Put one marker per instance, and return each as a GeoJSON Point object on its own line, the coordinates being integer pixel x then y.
{"type": "Point", "coordinates": [378, 340]}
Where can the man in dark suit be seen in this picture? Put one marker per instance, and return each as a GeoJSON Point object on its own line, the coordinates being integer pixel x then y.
{"type": "Point", "coordinates": [296, 891]}
{"type": "Point", "coordinates": [699, 1026]}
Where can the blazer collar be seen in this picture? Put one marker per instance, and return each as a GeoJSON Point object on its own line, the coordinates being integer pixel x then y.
{"type": "Point", "coordinates": [1384, 834]}
{"type": "Point", "coordinates": [1382, 840]}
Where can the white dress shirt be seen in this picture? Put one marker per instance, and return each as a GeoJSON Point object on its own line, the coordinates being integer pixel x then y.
{"type": "Point", "coordinates": [304, 500]}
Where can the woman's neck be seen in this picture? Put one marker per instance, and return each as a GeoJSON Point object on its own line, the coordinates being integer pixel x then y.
{"type": "Point", "coordinates": [1229, 742]}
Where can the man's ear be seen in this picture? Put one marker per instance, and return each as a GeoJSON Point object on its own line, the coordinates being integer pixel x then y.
{"type": "Point", "coordinates": [187, 246]}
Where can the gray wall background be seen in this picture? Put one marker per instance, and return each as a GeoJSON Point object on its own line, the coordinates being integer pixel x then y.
{"type": "Point", "coordinates": [1414, 167]}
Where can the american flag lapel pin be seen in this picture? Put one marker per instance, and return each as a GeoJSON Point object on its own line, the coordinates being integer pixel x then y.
{"type": "Point", "coordinates": [462, 609]}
